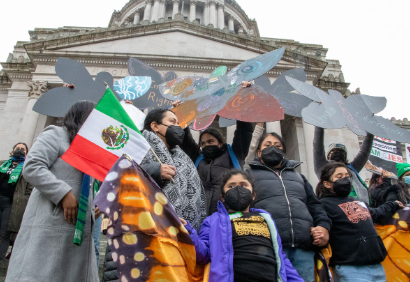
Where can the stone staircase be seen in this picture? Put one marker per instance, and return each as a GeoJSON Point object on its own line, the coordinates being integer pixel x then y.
{"type": "Point", "coordinates": [103, 245]}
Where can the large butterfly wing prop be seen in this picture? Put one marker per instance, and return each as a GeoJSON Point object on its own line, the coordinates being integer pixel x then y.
{"type": "Point", "coordinates": [132, 87]}
{"type": "Point", "coordinates": [253, 104]}
{"type": "Point", "coordinates": [292, 103]}
{"type": "Point", "coordinates": [253, 68]}
{"type": "Point", "coordinates": [153, 98]}
{"type": "Point", "coordinates": [58, 101]}
{"type": "Point", "coordinates": [224, 87]}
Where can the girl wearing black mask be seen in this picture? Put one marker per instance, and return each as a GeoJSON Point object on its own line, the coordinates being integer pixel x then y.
{"type": "Point", "coordinates": [287, 195]}
{"type": "Point", "coordinates": [175, 173]}
{"type": "Point", "coordinates": [357, 249]}
{"type": "Point", "coordinates": [14, 194]}
{"type": "Point", "coordinates": [241, 243]}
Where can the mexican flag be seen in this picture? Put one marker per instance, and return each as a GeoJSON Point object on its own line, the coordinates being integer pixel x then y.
{"type": "Point", "coordinates": [105, 136]}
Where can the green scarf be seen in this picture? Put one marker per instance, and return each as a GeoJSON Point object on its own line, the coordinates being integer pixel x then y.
{"type": "Point", "coordinates": [15, 174]}
{"type": "Point", "coordinates": [82, 210]}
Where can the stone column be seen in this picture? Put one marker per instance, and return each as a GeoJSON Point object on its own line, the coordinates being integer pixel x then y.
{"type": "Point", "coordinates": [231, 25]}
{"type": "Point", "coordinates": [147, 11]}
{"type": "Point", "coordinates": [206, 14]}
{"type": "Point", "coordinates": [175, 9]}
{"type": "Point", "coordinates": [137, 17]}
{"type": "Point", "coordinates": [274, 127]}
{"type": "Point", "coordinates": [221, 16]}
{"type": "Point", "coordinates": [28, 126]}
{"type": "Point", "coordinates": [212, 13]}
{"type": "Point", "coordinates": [162, 8]}
{"type": "Point", "coordinates": [308, 132]}
{"type": "Point", "coordinates": [240, 30]}
{"type": "Point", "coordinates": [155, 12]}
{"type": "Point", "coordinates": [192, 12]}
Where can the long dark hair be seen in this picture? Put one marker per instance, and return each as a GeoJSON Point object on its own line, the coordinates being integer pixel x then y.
{"type": "Point", "coordinates": [228, 174]}
{"type": "Point", "coordinates": [214, 132]}
{"type": "Point", "coordinates": [274, 135]}
{"type": "Point", "coordinates": [157, 116]}
{"type": "Point", "coordinates": [326, 175]}
{"type": "Point", "coordinates": [374, 181]}
{"type": "Point", "coordinates": [76, 116]}
{"type": "Point", "coordinates": [403, 192]}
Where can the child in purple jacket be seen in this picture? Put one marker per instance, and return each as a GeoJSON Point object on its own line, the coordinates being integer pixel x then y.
{"type": "Point", "coordinates": [242, 244]}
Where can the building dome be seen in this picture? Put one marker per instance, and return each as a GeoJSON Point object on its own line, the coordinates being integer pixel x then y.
{"type": "Point", "coordinates": [222, 14]}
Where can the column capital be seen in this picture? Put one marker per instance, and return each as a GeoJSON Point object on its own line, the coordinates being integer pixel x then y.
{"type": "Point", "coordinates": [231, 18]}
{"type": "Point", "coordinates": [221, 5]}
{"type": "Point", "coordinates": [162, 1]}
{"type": "Point", "coordinates": [193, 2]}
{"type": "Point", "coordinates": [212, 2]}
{"type": "Point", "coordinates": [148, 2]}
{"type": "Point", "coordinates": [37, 88]}
{"type": "Point", "coordinates": [176, 1]}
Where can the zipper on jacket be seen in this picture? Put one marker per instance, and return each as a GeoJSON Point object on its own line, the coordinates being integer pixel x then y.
{"type": "Point", "coordinates": [290, 211]}
{"type": "Point", "coordinates": [287, 199]}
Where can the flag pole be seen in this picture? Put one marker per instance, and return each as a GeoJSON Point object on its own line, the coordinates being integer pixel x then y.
{"type": "Point", "coordinates": [160, 162]}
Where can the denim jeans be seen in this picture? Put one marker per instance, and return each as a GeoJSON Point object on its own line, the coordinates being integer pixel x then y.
{"type": "Point", "coordinates": [96, 238]}
{"type": "Point", "coordinates": [303, 261]}
{"type": "Point", "coordinates": [5, 210]}
{"type": "Point", "coordinates": [364, 273]}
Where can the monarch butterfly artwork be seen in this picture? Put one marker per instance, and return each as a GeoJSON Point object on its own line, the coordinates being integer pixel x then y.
{"type": "Point", "coordinates": [396, 238]}
{"type": "Point", "coordinates": [147, 238]}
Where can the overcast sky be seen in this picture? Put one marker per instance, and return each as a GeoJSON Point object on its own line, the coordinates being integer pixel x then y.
{"type": "Point", "coordinates": [369, 37]}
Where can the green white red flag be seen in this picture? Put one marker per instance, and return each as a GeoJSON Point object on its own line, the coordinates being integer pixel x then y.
{"type": "Point", "coordinates": [106, 135]}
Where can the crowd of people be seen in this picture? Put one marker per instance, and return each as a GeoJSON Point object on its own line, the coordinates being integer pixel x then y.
{"type": "Point", "coordinates": [249, 212]}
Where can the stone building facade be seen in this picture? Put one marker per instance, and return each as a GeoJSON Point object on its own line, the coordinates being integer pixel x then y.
{"type": "Point", "coordinates": [190, 37]}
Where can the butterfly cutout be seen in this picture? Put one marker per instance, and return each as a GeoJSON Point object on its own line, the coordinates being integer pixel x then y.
{"type": "Point", "coordinates": [357, 112]}
{"type": "Point", "coordinates": [211, 96]}
{"type": "Point", "coordinates": [57, 101]}
{"type": "Point", "coordinates": [132, 87]}
{"type": "Point", "coordinates": [153, 99]}
{"type": "Point", "coordinates": [292, 103]}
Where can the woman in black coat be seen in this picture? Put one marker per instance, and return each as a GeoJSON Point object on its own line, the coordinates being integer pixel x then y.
{"type": "Point", "coordinates": [287, 195]}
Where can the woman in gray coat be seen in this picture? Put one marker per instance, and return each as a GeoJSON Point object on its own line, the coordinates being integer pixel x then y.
{"type": "Point", "coordinates": [44, 249]}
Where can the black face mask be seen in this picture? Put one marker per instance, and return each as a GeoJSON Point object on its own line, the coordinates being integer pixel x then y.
{"type": "Point", "coordinates": [238, 198]}
{"type": "Point", "coordinates": [272, 156]}
{"type": "Point", "coordinates": [342, 187]}
{"type": "Point", "coordinates": [174, 135]}
{"type": "Point", "coordinates": [19, 154]}
{"type": "Point", "coordinates": [338, 156]}
{"type": "Point", "coordinates": [211, 152]}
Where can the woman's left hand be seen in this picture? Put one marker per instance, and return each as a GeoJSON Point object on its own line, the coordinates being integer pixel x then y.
{"type": "Point", "coordinates": [98, 212]}
{"type": "Point", "coordinates": [400, 204]}
{"type": "Point", "coordinates": [128, 102]}
{"type": "Point", "coordinates": [176, 103]}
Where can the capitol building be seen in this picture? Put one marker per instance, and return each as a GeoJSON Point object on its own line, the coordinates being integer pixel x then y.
{"type": "Point", "coordinates": [191, 37]}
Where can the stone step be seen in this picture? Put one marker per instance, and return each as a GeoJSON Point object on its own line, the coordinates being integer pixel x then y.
{"type": "Point", "coordinates": [103, 245]}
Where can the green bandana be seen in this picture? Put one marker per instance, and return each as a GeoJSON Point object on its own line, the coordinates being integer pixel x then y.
{"type": "Point", "coordinates": [15, 174]}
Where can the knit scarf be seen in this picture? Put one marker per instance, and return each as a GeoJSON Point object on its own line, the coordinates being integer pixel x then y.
{"type": "Point", "coordinates": [15, 174]}
{"type": "Point", "coordinates": [187, 194]}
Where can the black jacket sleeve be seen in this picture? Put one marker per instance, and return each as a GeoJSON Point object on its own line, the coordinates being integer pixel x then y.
{"type": "Point", "coordinates": [392, 194]}
{"type": "Point", "coordinates": [154, 170]}
{"type": "Point", "coordinates": [319, 156]}
{"type": "Point", "coordinates": [361, 159]}
{"type": "Point", "coordinates": [242, 139]}
{"type": "Point", "coordinates": [189, 145]}
{"type": "Point", "coordinates": [377, 194]}
{"type": "Point", "coordinates": [384, 212]}
{"type": "Point", "coordinates": [316, 208]}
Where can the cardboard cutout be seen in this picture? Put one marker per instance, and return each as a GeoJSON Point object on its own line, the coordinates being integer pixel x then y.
{"type": "Point", "coordinates": [292, 103]}
{"type": "Point", "coordinates": [211, 97]}
{"type": "Point", "coordinates": [153, 99]}
{"type": "Point", "coordinates": [253, 104]}
{"type": "Point", "coordinates": [358, 113]}
{"type": "Point", "coordinates": [58, 101]}
{"type": "Point", "coordinates": [132, 87]}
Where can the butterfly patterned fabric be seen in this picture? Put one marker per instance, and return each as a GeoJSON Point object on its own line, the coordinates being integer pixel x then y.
{"type": "Point", "coordinates": [396, 238]}
{"type": "Point", "coordinates": [148, 241]}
